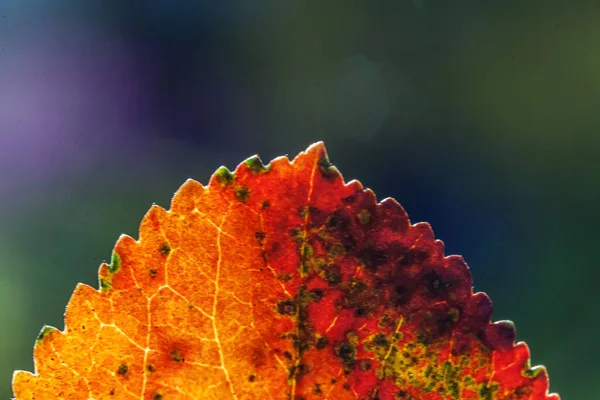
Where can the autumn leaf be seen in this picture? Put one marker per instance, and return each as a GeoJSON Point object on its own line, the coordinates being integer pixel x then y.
{"type": "Point", "coordinates": [281, 282]}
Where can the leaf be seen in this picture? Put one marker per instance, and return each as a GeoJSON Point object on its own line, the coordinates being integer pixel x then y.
{"type": "Point", "coordinates": [281, 282]}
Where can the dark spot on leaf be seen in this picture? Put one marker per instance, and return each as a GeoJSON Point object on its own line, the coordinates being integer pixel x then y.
{"type": "Point", "coordinates": [165, 249]}
{"type": "Point", "coordinates": [152, 272]}
{"type": "Point", "coordinates": [381, 340]}
{"type": "Point", "coordinates": [348, 242]}
{"type": "Point", "coordinates": [122, 370]}
{"type": "Point", "coordinates": [400, 295]}
{"type": "Point", "coordinates": [347, 352]}
{"type": "Point", "coordinates": [386, 321]}
{"type": "Point", "coordinates": [284, 277]}
{"type": "Point", "coordinates": [242, 193]}
{"type": "Point", "coordinates": [486, 392]}
{"type": "Point", "coordinates": [252, 378]}
{"type": "Point", "coordinates": [317, 294]}
{"type": "Point", "coordinates": [357, 287]}
{"type": "Point", "coordinates": [361, 312]}
{"type": "Point", "coordinates": [334, 223]}
{"type": "Point", "coordinates": [366, 365]}
{"type": "Point", "coordinates": [302, 369]}
{"type": "Point", "coordinates": [260, 237]}
{"type": "Point", "coordinates": [373, 258]}
{"type": "Point", "coordinates": [423, 339]}
{"type": "Point", "coordinates": [434, 284]}
{"type": "Point", "coordinates": [321, 343]}
{"type": "Point", "coordinates": [444, 323]}
{"type": "Point", "coordinates": [317, 217]}
{"type": "Point", "coordinates": [413, 257]}
{"type": "Point", "coordinates": [335, 250]}
{"type": "Point", "coordinates": [333, 274]}
{"type": "Point", "coordinates": [291, 371]}
{"type": "Point", "coordinates": [286, 307]}
{"type": "Point", "coordinates": [258, 358]}
{"type": "Point", "coordinates": [318, 388]}
{"type": "Point", "coordinates": [523, 391]}
{"type": "Point", "coordinates": [177, 356]}
{"type": "Point", "coordinates": [303, 211]}
{"type": "Point", "coordinates": [296, 234]}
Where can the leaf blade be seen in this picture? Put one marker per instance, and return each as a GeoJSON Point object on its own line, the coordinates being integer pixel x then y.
{"type": "Point", "coordinates": [282, 282]}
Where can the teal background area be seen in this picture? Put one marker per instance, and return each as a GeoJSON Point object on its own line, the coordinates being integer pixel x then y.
{"type": "Point", "coordinates": [481, 118]}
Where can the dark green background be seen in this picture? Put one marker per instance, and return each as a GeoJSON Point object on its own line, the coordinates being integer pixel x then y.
{"type": "Point", "coordinates": [480, 117]}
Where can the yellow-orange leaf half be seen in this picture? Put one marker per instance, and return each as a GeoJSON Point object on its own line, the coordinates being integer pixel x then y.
{"type": "Point", "coordinates": [281, 282]}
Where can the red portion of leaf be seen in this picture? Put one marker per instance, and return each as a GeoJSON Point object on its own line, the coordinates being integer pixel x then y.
{"type": "Point", "coordinates": [281, 282]}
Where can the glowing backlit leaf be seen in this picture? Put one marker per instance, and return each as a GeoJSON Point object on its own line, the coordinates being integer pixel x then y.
{"type": "Point", "coordinates": [281, 282]}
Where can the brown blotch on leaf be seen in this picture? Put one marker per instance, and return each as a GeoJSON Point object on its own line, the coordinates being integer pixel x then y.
{"type": "Point", "coordinates": [321, 343]}
{"type": "Point", "coordinates": [260, 237]}
{"type": "Point", "coordinates": [381, 340]}
{"type": "Point", "coordinates": [177, 356]}
{"type": "Point", "coordinates": [258, 358]}
{"type": "Point", "coordinates": [296, 234]}
{"type": "Point", "coordinates": [400, 295]}
{"type": "Point", "coordinates": [284, 277]}
{"type": "Point", "coordinates": [347, 353]}
{"type": "Point", "coordinates": [122, 370]}
{"type": "Point", "coordinates": [402, 394]}
{"type": "Point", "coordinates": [286, 307]}
{"type": "Point", "coordinates": [165, 249]}
{"type": "Point", "coordinates": [434, 283]}
{"type": "Point", "coordinates": [318, 388]}
{"type": "Point", "coordinates": [366, 365]}
{"type": "Point", "coordinates": [333, 274]}
{"type": "Point", "coordinates": [242, 193]}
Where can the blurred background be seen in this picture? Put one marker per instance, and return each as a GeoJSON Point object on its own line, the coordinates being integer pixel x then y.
{"type": "Point", "coordinates": [481, 118]}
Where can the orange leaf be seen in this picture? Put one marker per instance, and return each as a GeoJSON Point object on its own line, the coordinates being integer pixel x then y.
{"type": "Point", "coordinates": [281, 282]}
